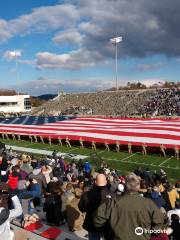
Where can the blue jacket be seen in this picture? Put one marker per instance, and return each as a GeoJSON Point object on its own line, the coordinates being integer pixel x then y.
{"type": "Point", "coordinates": [87, 167]}
{"type": "Point", "coordinates": [157, 199]}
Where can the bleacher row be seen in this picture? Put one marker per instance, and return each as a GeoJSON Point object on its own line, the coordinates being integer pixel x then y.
{"type": "Point", "coordinates": [33, 120]}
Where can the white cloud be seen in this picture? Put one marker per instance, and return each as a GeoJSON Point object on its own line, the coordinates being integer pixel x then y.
{"type": "Point", "coordinates": [11, 55]}
{"type": "Point", "coordinates": [146, 29]}
{"type": "Point", "coordinates": [70, 36]}
{"type": "Point", "coordinates": [42, 19]}
{"type": "Point", "coordinates": [76, 59]}
{"type": "Point", "coordinates": [45, 85]}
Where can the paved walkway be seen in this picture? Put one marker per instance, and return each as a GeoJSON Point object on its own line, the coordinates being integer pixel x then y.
{"type": "Point", "coordinates": [46, 152]}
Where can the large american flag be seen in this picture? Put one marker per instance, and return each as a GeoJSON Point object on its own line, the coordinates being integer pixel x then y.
{"type": "Point", "coordinates": [152, 132]}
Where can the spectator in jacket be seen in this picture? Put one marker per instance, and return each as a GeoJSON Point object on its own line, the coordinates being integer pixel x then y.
{"type": "Point", "coordinates": [89, 203]}
{"type": "Point", "coordinates": [129, 212]}
{"type": "Point", "coordinates": [174, 211]}
{"type": "Point", "coordinates": [6, 216]}
{"type": "Point", "coordinates": [87, 167]}
{"type": "Point", "coordinates": [156, 197]}
{"type": "Point", "coordinates": [25, 166]}
{"type": "Point", "coordinates": [13, 179]}
{"type": "Point", "coordinates": [173, 195]}
{"type": "Point", "coordinates": [75, 218]}
{"type": "Point", "coordinates": [53, 206]}
{"type": "Point", "coordinates": [175, 225]}
{"type": "Point", "coordinates": [33, 193]}
{"type": "Point", "coordinates": [39, 177]}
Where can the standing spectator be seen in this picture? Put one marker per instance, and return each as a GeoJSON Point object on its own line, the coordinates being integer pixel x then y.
{"type": "Point", "coordinates": [129, 212]}
{"type": "Point", "coordinates": [175, 225]}
{"type": "Point", "coordinates": [89, 203]}
{"type": "Point", "coordinates": [6, 216]}
{"type": "Point", "coordinates": [53, 206]}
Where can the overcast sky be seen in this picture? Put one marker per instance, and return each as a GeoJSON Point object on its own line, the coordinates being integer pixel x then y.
{"type": "Point", "coordinates": [64, 45]}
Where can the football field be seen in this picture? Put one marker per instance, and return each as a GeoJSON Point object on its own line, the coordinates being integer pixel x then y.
{"type": "Point", "coordinates": [122, 161]}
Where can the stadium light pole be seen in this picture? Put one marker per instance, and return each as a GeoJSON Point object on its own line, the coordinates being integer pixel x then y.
{"type": "Point", "coordinates": [17, 70]}
{"type": "Point", "coordinates": [115, 41]}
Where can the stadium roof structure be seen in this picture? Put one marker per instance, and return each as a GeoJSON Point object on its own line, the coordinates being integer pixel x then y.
{"type": "Point", "coordinates": [152, 132]}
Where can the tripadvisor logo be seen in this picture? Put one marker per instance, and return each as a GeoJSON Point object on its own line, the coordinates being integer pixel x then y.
{"type": "Point", "coordinates": [140, 231]}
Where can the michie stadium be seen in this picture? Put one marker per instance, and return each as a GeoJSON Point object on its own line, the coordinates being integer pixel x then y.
{"type": "Point", "coordinates": [89, 120]}
{"type": "Point", "coordinates": [69, 143]}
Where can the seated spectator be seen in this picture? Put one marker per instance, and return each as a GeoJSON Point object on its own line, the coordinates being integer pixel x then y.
{"type": "Point", "coordinates": [75, 218]}
{"type": "Point", "coordinates": [39, 177]}
{"type": "Point", "coordinates": [173, 195]}
{"type": "Point", "coordinates": [25, 165]}
{"type": "Point", "coordinates": [156, 197]}
{"type": "Point", "coordinates": [13, 179]}
{"type": "Point", "coordinates": [67, 196]}
{"type": "Point", "coordinates": [174, 211]}
{"type": "Point", "coordinates": [87, 168]}
{"type": "Point", "coordinates": [47, 172]}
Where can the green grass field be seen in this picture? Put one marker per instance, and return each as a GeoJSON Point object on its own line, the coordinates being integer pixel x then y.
{"type": "Point", "coordinates": [121, 161]}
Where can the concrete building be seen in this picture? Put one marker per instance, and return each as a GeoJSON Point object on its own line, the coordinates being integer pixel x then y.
{"type": "Point", "coordinates": [15, 104]}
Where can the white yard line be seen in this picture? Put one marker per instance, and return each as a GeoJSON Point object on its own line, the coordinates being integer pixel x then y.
{"type": "Point", "coordinates": [101, 151]}
{"type": "Point", "coordinates": [128, 157]}
{"type": "Point", "coordinates": [137, 163]}
{"type": "Point", "coordinates": [165, 161]}
{"type": "Point", "coordinates": [119, 160]}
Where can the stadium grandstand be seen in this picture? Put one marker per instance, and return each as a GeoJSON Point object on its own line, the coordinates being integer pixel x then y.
{"type": "Point", "coordinates": [78, 150]}
{"type": "Point", "coordinates": [139, 102]}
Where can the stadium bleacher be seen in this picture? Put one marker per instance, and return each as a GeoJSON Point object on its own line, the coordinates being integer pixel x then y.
{"type": "Point", "coordinates": [136, 102]}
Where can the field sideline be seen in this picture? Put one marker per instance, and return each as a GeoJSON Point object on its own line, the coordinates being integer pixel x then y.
{"type": "Point", "coordinates": [121, 161]}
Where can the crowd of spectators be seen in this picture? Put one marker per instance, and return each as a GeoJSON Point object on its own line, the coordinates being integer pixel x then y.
{"type": "Point", "coordinates": [156, 102]}
{"type": "Point", "coordinates": [166, 102]}
{"type": "Point", "coordinates": [10, 114]}
{"type": "Point", "coordinates": [99, 199]}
